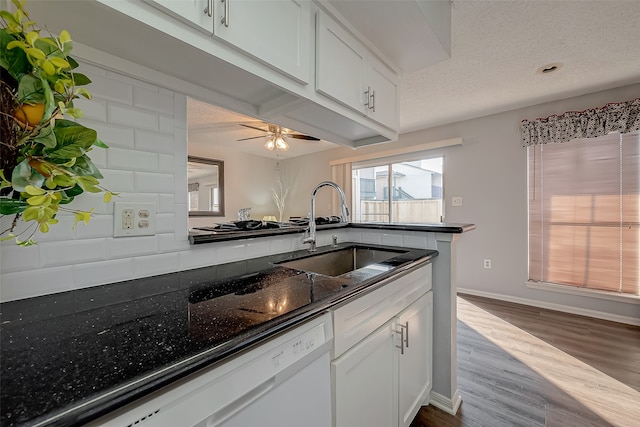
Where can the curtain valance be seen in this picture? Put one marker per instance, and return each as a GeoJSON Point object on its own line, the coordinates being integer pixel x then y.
{"type": "Point", "coordinates": [620, 117]}
{"type": "Point", "coordinates": [193, 186]}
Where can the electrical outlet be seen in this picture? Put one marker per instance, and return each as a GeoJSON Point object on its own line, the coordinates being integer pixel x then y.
{"type": "Point", "coordinates": [456, 201]}
{"type": "Point", "coordinates": [134, 219]}
{"type": "Point", "coordinates": [487, 263]}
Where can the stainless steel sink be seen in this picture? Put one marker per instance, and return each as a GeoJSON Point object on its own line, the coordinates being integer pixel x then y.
{"type": "Point", "coordinates": [340, 261]}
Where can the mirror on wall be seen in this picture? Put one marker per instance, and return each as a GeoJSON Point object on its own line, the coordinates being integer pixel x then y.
{"type": "Point", "coordinates": [205, 186]}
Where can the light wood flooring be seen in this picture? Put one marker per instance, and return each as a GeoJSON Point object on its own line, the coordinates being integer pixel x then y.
{"type": "Point", "coordinates": [525, 366]}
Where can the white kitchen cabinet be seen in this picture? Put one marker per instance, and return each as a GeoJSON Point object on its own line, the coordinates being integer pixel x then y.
{"type": "Point", "coordinates": [276, 32]}
{"type": "Point", "coordinates": [366, 381]}
{"type": "Point", "coordinates": [414, 378]}
{"type": "Point", "coordinates": [347, 72]}
{"type": "Point", "coordinates": [196, 13]}
{"type": "Point", "coordinates": [383, 353]}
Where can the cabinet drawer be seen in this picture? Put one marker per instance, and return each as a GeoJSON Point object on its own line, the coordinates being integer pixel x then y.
{"type": "Point", "coordinates": [357, 319]}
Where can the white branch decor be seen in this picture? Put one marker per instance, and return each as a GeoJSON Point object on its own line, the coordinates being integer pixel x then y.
{"type": "Point", "coordinates": [279, 197]}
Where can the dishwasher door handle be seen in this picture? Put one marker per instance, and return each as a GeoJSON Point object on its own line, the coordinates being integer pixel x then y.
{"type": "Point", "coordinates": [239, 404]}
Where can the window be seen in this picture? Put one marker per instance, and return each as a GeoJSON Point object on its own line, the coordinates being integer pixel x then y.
{"type": "Point", "coordinates": [584, 213]}
{"type": "Point", "coordinates": [408, 192]}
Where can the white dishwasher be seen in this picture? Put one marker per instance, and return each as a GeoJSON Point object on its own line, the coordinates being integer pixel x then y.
{"type": "Point", "coordinates": [285, 382]}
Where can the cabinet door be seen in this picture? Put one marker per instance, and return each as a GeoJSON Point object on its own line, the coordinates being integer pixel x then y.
{"type": "Point", "coordinates": [383, 104]}
{"type": "Point", "coordinates": [191, 12]}
{"type": "Point", "coordinates": [276, 32]}
{"type": "Point", "coordinates": [415, 364]}
{"type": "Point", "coordinates": [365, 381]}
{"type": "Point", "coordinates": [340, 64]}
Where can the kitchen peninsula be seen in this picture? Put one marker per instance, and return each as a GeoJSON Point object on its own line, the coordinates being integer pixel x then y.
{"type": "Point", "coordinates": [127, 334]}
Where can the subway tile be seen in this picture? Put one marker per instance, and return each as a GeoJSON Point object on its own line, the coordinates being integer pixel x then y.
{"type": "Point", "coordinates": [63, 230]}
{"type": "Point", "coordinates": [100, 225]}
{"type": "Point", "coordinates": [154, 142]}
{"type": "Point", "coordinates": [232, 251]}
{"type": "Point", "coordinates": [181, 227]}
{"type": "Point", "coordinates": [166, 203]}
{"type": "Point", "coordinates": [391, 239]}
{"type": "Point", "coordinates": [118, 181]}
{"type": "Point", "coordinates": [98, 156]}
{"type": "Point", "coordinates": [281, 244]}
{"type": "Point", "coordinates": [72, 252]}
{"type": "Point", "coordinates": [91, 71]}
{"type": "Point", "coordinates": [180, 107]}
{"type": "Point", "coordinates": [99, 273]}
{"type": "Point", "coordinates": [197, 256]}
{"type": "Point", "coordinates": [165, 223]}
{"type": "Point", "coordinates": [166, 124]}
{"type": "Point", "coordinates": [132, 160]}
{"type": "Point", "coordinates": [103, 88]}
{"type": "Point", "coordinates": [88, 201]}
{"type": "Point", "coordinates": [112, 75]}
{"type": "Point", "coordinates": [132, 117]}
{"type": "Point", "coordinates": [372, 237]}
{"type": "Point", "coordinates": [166, 163]}
{"type": "Point", "coordinates": [168, 243]}
{"type": "Point", "coordinates": [417, 240]}
{"type": "Point", "coordinates": [152, 100]}
{"type": "Point", "coordinates": [92, 109]}
{"type": "Point", "coordinates": [147, 182]}
{"type": "Point", "coordinates": [112, 135]}
{"type": "Point", "coordinates": [131, 246]}
{"type": "Point", "coordinates": [36, 282]}
{"type": "Point", "coordinates": [152, 265]}
{"type": "Point", "coordinates": [258, 248]}
{"type": "Point", "coordinates": [16, 258]}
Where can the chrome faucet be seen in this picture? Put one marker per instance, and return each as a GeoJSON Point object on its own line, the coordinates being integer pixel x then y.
{"type": "Point", "coordinates": [344, 212]}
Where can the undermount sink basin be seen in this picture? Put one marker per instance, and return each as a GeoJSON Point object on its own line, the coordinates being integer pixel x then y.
{"type": "Point", "coordinates": [340, 261]}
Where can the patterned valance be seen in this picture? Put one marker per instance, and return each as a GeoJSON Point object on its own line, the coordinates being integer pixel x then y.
{"type": "Point", "coordinates": [620, 117]}
{"type": "Point", "coordinates": [193, 186]}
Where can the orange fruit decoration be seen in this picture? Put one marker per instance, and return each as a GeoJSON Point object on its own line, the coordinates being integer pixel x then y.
{"type": "Point", "coordinates": [29, 115]}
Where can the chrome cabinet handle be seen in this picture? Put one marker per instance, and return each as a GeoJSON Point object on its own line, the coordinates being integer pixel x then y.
{"type": "Point", "coordinates": [225, 17]}
{"type": "Point", "coordinates": [367, 94]}
{"type": "Point", "coordinates": [373, 101]}
{"type": "Point", "coordinates": [404, 329]}
{"type": "Point", "coordinates": [209, 9]}
{"type": "Point", "coordinates": [406, 335]}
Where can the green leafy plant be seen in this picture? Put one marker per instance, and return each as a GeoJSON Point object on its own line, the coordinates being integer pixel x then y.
{"type": "Point", "coordinates": [43, 160]}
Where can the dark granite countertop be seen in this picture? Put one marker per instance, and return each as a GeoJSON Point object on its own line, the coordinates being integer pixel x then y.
{"type": "Point", "coordinates": [71, 357]}
{"type": "Point", "coordinates": [199, 236]}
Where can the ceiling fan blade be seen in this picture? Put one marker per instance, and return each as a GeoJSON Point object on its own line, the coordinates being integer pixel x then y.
{"type": "Point", "coordinates": [253, 127]}
{"type": "Point", "coordinates": [307, 137]}
{"type": "Point", "coordinates": [253, 137]}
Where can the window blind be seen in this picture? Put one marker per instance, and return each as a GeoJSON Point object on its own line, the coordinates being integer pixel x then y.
{"type": "Point", "coordinates": [584, 213]}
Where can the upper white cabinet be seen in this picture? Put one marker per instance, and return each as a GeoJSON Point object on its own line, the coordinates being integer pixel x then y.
{"type": "Point", "coordinates": [197, 13]}
{"type": "Point", "coordinates": [350, 74]}
{"type": "Point", "coordinates": [276, 32]}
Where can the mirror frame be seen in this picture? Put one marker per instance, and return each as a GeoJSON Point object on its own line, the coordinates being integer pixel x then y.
{"type": "Point", "coordinates": [220, 164]}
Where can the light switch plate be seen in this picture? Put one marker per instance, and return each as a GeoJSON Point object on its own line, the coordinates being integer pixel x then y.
{"type": "Point", "coordinates": [456, 201]}
{"type": "Point", "coordinates": [134, 219]}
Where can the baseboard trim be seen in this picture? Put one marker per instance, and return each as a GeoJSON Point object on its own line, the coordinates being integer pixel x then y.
{"type": "Point", "coordinates": [552, 306]}
{"type": "Point", "coordinates": [450, 406]}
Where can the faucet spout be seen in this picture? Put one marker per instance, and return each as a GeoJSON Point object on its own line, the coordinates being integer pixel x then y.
{"type": "Point", "coordinates": [344, 212]}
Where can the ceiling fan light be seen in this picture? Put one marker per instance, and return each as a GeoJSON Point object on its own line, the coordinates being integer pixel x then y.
{"type": "Point", "coordinates": [281, 144]}
{"type": "Point", "coordinates": [270, 145]}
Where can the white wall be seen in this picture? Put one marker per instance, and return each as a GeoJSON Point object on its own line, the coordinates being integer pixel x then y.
{"type": "Point", "coordinates": [489, 173]}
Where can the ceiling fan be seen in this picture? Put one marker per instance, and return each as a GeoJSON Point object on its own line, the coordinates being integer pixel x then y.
{"type": "Point", "coordinates": [277, 136]}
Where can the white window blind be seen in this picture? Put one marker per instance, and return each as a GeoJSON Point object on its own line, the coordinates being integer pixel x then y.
{"type": "Point", "coordinates": [584, 213]}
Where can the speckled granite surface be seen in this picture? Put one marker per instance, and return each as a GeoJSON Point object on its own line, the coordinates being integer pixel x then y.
{"type": "Point", "coordinates": [71, 357]}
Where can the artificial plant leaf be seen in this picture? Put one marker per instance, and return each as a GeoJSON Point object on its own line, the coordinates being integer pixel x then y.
{"type": "Point", "coordinates": [59, 62]}
{"type": "Point", "coordinates": [23, 175]}
{"type": "Point", "coordinates": [34, 191]}
{"type": "Point", "coordinates": [100, 143]}
{"type": "Point", "coordinates": [9, 206]}
{"type": "Point", "coordinates": [46, 137]}
{"type": "Point", "coordinates": [73, 140]}
{"type": "Point", "coordinates": [49, 99]}
{"type": "Point", "coordinates": [74, 191]}
{"type": "Point", "coordinates": [85, 167]}
{"type": "Point", "coordinates": [65, 37]}
{"type": "Point", "coordinates": [13, 60]}
{"type": "Point", "coordinates": [81, 79]}
{"type": "Point", "coordinates": [73, 63]}
{"type": "Point", "coordinates": [30, 90]}
{"type": "Point", "coordinates": [8, 17]}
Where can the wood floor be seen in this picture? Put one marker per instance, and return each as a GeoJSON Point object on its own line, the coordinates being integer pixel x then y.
{"type": "Point", "coordinates": [525, 366]}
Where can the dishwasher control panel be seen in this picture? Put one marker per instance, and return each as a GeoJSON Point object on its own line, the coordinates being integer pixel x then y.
{"type": "Point", "coordinates": [298, 347]}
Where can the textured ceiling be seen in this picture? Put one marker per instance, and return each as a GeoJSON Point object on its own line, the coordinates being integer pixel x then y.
{"type": "Point", "coordinates": [496, 49]}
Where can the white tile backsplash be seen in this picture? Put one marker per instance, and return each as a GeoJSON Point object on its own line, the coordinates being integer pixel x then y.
{"type": "Point", "coordinates": [132, 117]}
{"type": "Point", "coordinates": [155, 142]}
{"type": "Point", "coordinates": [153, 100]}
{"type": "Point", "coordinates": [100, 273]}
{"type": "Point", "coordinates": [121, 159]}
{"type": "Point", "coordinates": [146, 182]}
{"type": "Point", "coordinates": [79, 251]}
